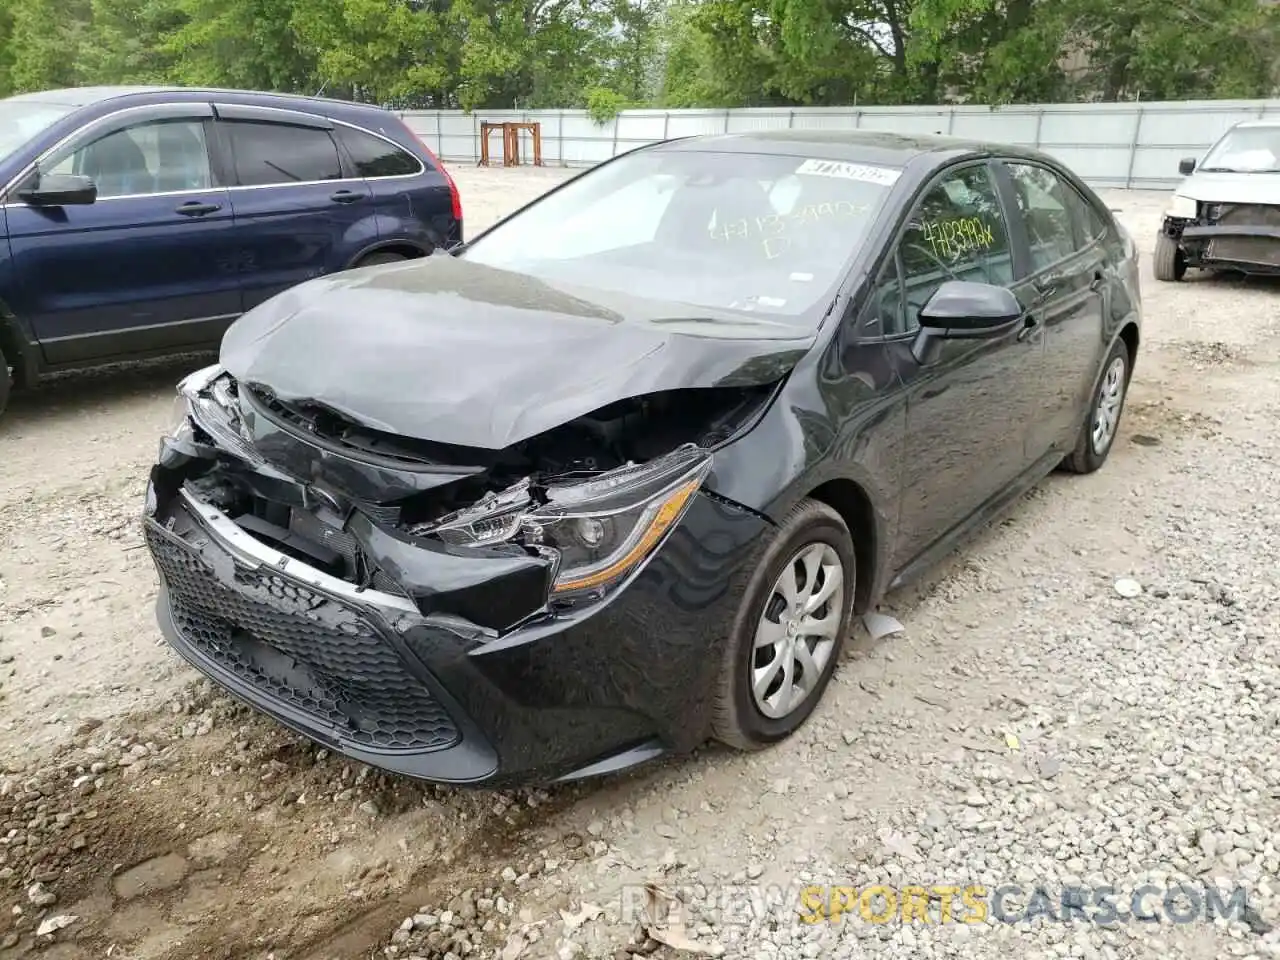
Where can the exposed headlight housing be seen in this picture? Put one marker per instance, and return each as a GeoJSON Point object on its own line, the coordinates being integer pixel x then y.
{"type": "Point", "coordinates": [600, 529]}
{"type": "Point", "coordinates": [1182, 208]}
{"type": "Point", "coordinates": [208, 397]}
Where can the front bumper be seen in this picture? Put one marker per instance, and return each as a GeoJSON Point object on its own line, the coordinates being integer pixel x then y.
{"type": "Point", "coordinates": [368, 675]}
{"type": "Point", "coordinates": [1245, 238]}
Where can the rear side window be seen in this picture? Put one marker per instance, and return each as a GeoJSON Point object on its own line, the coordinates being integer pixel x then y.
{"type": "Point", "coordinates": [274, 153]}
{"type": "Point", "coordinates": [1044, 202]}
{"type": "Point", "coordinates": [1092, 223]}
{"type": "Point", "coordinates": [375, 157]}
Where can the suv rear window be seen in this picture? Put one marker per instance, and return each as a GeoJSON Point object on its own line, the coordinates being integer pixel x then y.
{"type": "Point", "coordinates": [276, 153]}
{"type": "Point", "coordinates": [375, 157]}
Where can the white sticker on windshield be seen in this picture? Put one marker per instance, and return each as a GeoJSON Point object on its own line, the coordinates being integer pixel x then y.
{"type": "Point", "coordinates": [802, 277]}
{"type": "Point", "coordinates": [849, 171]}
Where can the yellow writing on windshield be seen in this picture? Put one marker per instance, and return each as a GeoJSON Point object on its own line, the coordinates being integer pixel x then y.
{"type": "Point", "coordinates": [949, 238]}
{"type": "Point", "coordinates": [775, 225]}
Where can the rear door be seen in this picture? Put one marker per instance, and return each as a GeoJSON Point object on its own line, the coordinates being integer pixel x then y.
{"type": "Point", "coordinates": [300, 213]}
{"type": "Point", "coordinates": [1067, 270]}
{"type": "Point", "coordinates": [967, 412]}
{"type": "Point", "coordinates": [151, 265]}
{"type": "Point", "coordinates": [413, 201]}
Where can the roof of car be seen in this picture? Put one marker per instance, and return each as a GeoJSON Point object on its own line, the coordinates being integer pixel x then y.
{"type": "Point", "coordinates": [84, 96]}
{"type": "Point", "coordinates": [871, 146]}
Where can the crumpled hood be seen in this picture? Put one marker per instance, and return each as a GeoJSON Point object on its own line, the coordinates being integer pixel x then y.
{"type": "Point", "coordinates": [454, 352]}
{"type": "Point", "coordinates": [1232, 187]}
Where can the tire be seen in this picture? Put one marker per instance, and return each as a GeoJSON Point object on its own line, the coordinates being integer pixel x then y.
{"type": "Point", "coordinates": [1089, 453]}
{"type": "Point", "coordinates": [5, 383]}
{"type": "Point", "coordinates": [1169, 262]}
{"type": "Point", "coordinates": [738, 719]}
{"type": "Point", "coordinates": [373, 259]}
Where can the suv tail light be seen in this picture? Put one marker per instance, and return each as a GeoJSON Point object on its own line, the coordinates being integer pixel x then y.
{"type": "Point", "coordinates": [453, 187]}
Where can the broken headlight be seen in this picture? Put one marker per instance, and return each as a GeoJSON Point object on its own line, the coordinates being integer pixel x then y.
{"type": "Point", "coordinates": [605, 527]}
{"type": "Point", "coordinates": [210, 402]}
{"type": "Point", "coordinates": [1182, 208]}
{"type": "Point", "coordinates": [600, 528]}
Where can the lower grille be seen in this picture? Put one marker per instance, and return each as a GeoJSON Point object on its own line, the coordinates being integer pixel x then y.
{"type": "Point", "coordinates": [1262, 251]}
{"type": "Point", "coordinates": [301, 649]}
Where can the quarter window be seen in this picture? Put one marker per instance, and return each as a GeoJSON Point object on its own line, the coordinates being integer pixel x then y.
{"type": "Point", "coordinates": [375, 157]}
{"type": "Point", "coordinates": [1045, 208]}
{"type": "Point", "coordinates": [957, 232]}
{"type": "Point", "coordinates": [160, 156]}
{"type": "Point", "coordinates": [276, 153]}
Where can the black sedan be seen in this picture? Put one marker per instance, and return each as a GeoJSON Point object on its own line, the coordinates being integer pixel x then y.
{"type": "Point", "coordinates": [614, 477]}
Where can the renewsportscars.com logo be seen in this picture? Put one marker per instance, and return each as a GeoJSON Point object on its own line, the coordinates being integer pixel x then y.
{"type": "Point", "coordinates": [1011, 903]}
{"type": "Point", "coordinates": [745, 904]}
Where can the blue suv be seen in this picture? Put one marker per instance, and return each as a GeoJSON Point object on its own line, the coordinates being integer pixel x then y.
{"type": "Point", "coordinates": [141, 221]}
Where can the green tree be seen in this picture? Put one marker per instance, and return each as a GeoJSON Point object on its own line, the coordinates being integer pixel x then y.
{"type": "Point", "coordinates": [45, 42]}
{"type": "Point", "coordinates": [249, 44]}
{"type": "Point", "coordinates": [129, 41]}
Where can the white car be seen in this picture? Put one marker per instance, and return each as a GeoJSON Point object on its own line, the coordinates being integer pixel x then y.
{"type": "Point", "coordinates": [1226, 214]}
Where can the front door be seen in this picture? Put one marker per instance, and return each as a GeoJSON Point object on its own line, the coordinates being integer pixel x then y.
{"type": "Point", "coordinates": [298, 214]}
{"type": "Point", "coordinates": [967, 411]}
{"type": "Point", "coordinates": [150, 266]}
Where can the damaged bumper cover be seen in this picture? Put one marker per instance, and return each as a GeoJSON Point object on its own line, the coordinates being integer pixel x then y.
{"type": "Point", "coordinates": [480, 647]}
{"type": "Point", "coordinates": [1242, 237]}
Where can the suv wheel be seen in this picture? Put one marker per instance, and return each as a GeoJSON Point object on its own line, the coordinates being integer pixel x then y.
{"type": "Point", "coordinates": [373, 259]}
{"type": "Point", "coordinates": [1170, 263]}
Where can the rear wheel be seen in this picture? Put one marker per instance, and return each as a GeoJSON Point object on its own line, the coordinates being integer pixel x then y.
{"type": "Point", "coordinates": [1102, 422]}
{"type": "Point", "coordinates": [788, 634]}
{"type": "Point", "coordinates": [373, 259]}
{"type": "Point", "coordinates": [1169, 263]}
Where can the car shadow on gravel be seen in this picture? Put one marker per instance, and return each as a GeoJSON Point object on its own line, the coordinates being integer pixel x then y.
{"type": "Point", "coordinates": [72, 394]}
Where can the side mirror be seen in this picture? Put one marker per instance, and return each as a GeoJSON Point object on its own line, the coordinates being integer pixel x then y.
{"type": "Point", "coordinates": [1187, 166]}
{"type": "Point", "coordinates": [960, 310]}
{"type": "Point", "coordinates": [60, 190]}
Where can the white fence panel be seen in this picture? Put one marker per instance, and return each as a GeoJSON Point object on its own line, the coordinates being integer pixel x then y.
{"type": "Point", "coordinates": [1108, 144]}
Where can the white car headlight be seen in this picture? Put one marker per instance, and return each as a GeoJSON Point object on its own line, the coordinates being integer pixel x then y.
{"type": "Point", "coordinates": [1184, 208]}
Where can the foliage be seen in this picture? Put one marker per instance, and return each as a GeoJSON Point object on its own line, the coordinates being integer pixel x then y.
{"type": "Point", "coordinates": [604, 104]}
{"type": "Point", "coordinates": [609, 54]}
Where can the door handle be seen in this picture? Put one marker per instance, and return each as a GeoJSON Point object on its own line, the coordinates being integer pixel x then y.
{"type": "Point", "coordinates": [197, 209]}
{"type": "Point", "coordinates": [1028, 328]}
{"type": "Point", "coordinates": [345, 196]}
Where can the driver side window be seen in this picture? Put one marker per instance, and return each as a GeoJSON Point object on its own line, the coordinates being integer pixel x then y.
{"type": "Point", "coordinates": [159, 156]}
{"type": "Point", "coordinates": [957, 232]}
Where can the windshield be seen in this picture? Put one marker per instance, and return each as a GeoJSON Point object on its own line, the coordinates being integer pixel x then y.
{"type": "Point", "coordinates": [20, 120]}
{"type": "Point", "coordinates": [749, 232]}
{"type": "Point", "coordinates": [1246, 150]}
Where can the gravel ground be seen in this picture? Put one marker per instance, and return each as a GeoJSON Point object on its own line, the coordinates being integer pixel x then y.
{"type": "Point", "coordinates": [1087, 695]}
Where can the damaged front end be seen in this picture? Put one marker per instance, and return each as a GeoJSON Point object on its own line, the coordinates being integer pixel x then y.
{"type": "Point", "coordinates": [1226, 236]}
{"type": "Point", "coordinates": [332, 574]}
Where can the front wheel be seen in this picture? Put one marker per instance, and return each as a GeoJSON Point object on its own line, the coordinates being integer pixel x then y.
{"type": "Point", "coordinates": [788, 634]}
{"type": "Point", "coordinates": [1102, 422]}
{"type": "Point", "coordinates": [5, 383]}
{"type": "Point", "coordinates": [1169, 263]}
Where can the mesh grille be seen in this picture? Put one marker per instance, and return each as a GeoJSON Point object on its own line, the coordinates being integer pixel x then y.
{"type": "Point", "coordinates": [300, 648]}
{"type": "Point", "coordinates": [1244, 214]}
{"type": "Point", "coordinates": [1262, 251]}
